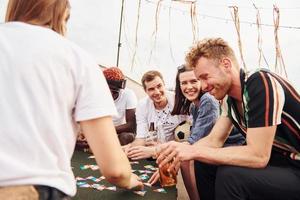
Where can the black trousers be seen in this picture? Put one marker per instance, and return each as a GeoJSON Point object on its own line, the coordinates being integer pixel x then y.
{"type": "Point", "coordinates": [280, 180]}
{"type": "Point", "coordinates": [50, 193]}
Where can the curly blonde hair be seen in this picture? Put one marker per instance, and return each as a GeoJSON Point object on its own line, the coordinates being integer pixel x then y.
{"type": "Point", "coordinates": [210, 48]}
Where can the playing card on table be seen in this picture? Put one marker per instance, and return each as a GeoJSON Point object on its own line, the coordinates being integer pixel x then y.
{"type": "Point", "coordinates": [96, 180]}
{"type": "Point", "coordinates": [145, 171]}
{"type": "Point", "coordinates": [83, 184]}
{"type": "Point", "coordinates": [93, 179]}
{"type": "Point", "coordinates": [144, 176]}
{"type": "Point", "coordinates": [141, 193]}
{"type": "Point", "coordinates": [94, 167]}
{"type": "Point", "coordinates": [79, 183]}
{"type": "Point", "coordinates": [112, 188]}
{"type": "Point", "coordinates": [161, 190]}
{"type": "Point", "coordinates": [147, 184]}
{"type": "Point", "coordinates": [148, 166]}
{"type": "Point", "coordinates": [98, 186]}
{"type": "Point", "coordinates": [83, 167]}
{"type": "Point", "coordinates": [79, 178]}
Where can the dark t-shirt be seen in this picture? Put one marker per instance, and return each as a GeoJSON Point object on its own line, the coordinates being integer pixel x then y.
{"type": "Point", "coordinates": [268, 100]}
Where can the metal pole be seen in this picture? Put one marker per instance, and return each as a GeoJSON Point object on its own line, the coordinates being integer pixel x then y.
{"type": "Point", "coordinates": [120, 33]}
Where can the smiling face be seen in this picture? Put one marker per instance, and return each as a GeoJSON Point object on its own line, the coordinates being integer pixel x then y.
{"type": "Point", "coordinates": [214, 77]}
{"type": "Point", "coordinates": [155, 89]}
{"type": "Point", "coordinates": [189, 85]}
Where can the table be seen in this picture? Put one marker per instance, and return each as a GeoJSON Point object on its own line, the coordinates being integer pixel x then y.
{"type": "Point", "coordinates": [82, 158]}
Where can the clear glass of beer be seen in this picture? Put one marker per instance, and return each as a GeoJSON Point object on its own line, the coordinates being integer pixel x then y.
{"type": "Point", "coordinates": [167, 178]}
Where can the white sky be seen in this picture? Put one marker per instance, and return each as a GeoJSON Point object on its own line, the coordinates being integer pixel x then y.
{"type": "Point", "coordinates": [94, 25]}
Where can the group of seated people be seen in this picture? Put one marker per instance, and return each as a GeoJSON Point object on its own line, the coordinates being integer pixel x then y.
{"type": "Point", "coordinates": [167, 110]}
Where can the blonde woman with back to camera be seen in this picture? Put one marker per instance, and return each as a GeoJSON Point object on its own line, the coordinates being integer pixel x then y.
{"type": "Point", "coordinates": [53, 84]}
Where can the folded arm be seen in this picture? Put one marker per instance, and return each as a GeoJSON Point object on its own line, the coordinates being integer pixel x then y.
{"type": "Point", "coordinates": [130, 125]}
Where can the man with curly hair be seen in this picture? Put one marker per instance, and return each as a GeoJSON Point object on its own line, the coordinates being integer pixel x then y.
{"type": "Point", "coordinates": [265, 108]}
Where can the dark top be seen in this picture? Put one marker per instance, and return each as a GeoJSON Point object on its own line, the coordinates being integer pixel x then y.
{"type": "Point", "coordinates": [268, 100]}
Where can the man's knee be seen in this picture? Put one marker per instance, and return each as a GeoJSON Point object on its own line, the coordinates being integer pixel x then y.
{"type": "Point", "coordinates": [226, 172]}
{"type": "Point", "coordinates": [230, 182]}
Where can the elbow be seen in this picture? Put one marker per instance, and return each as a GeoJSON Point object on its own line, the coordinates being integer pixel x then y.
{"type": "Point", "coordinates": [262, 161]}
{"type": "Point", "coordinates": [119, 178]}
{"type": "Point", "coordinates": [259, 157]}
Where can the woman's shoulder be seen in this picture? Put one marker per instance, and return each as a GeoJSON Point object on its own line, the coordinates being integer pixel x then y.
{"type": "Point", "coordinates": [207, 98]}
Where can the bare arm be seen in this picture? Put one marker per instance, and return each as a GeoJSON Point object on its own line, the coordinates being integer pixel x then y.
{"type": "Point", "coordinates": [138, 142]}
{"type": "Point", "coordinates": [113, 163]}
{"type": "Point", "coordinates": [184, 152]}
{"type": "Point", "coordinates": [130, 125]}
{"type": "Point", "coordinates": [141, 152]}
{"type": "Point", "coordinates": [255, 154]}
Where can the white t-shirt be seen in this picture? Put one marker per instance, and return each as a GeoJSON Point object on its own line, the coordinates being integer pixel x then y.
{"type": "Point", "coordinates": [47, 83]}
{"type": "Point", "coordinates": [146, 113]}
{"type": "Point", "coordinates": [126, 100]}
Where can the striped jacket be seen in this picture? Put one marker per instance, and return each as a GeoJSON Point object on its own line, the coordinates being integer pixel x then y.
{"type": "Point", "coordinates": [268, 100]}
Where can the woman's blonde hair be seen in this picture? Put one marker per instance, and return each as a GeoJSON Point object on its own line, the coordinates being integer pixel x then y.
{"type": "Point", "coordinates": [51, 13]}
